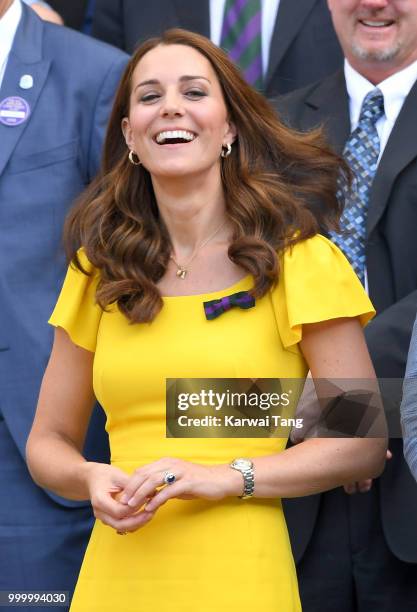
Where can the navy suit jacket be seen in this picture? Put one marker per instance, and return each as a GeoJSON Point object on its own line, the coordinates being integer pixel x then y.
{"type": "Point", "coordinates": [304, 47]}
{"type": "Point", "coordinates": [391, 256]}
{"type": "Point", "coordinates": [45, 163]}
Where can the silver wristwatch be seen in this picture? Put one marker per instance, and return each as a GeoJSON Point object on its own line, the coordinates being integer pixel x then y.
{"type": "Point", "coordinates": [245, 467]}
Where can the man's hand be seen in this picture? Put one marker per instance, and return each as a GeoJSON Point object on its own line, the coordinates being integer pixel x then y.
{"type": "Point", "coordinates": [363, 486]}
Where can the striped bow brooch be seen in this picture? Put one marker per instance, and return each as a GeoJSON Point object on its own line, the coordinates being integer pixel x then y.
{"type": "Point", "coordinates": [241, 299]}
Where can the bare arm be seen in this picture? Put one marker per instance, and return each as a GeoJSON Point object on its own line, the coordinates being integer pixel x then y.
{"type": "Point", "coordinates": [333, 350]}
{"type": "Point", "coordinates": [54, 447]}
{"type": "Point", "coordinates": [64, 409]}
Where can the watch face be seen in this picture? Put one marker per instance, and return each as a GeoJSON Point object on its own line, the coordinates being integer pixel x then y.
{"type": "Point", "coordinates": [242, 464]}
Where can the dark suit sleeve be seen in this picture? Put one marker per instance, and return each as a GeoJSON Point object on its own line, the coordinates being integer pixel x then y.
{"type": "Point", "coordinates": [388, 337]}
{"type": "Point", "coordinates": [102, 112]}
{"type": "Point", "coordinates": [108, 22]}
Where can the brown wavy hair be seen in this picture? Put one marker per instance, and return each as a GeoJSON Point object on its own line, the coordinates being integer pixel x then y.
{"type": "Point", "coordinates": [279, 188]}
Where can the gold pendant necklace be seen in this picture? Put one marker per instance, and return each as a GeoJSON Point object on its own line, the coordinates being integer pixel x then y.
{"type": "Point", "coordinates": [182, 271]}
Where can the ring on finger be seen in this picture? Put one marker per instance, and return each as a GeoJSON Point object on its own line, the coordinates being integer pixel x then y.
{"type": "Point", "coordinates": [169, 478]}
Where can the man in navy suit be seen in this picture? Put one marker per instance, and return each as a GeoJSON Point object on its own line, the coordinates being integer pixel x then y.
{"type": "Point", "coordinates": [359, 551]}
{"type": "Point", "coordinates": [56, 91]}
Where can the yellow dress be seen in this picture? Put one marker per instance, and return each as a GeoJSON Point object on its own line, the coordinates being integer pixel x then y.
{"type": "Point", "coordinates": [199, 556]}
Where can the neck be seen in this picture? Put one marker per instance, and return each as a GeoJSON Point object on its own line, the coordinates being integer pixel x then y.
{"type": "Point", "coordinates": [377, 72]}
{"type": "Point", "coordinates": [4, 6]}
{"type": "Point", "coordinates": [191, 210]}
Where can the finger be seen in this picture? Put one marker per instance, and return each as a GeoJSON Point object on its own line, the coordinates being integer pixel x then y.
{"type": "Point", "coordinates": [365, 485]}
{"type": "Point", "coordinates": [295, 439]}
{"type": "Point", "coordinates": [168, 492]}
{"type": "Point", "coordinates": [135, 481]}
{"type": "Point", "coordinates": [136, 521]}
{"type": "Point", "coordinates": [119, 479]}
{"type": "Point", "coordinates": [389, 454]}
{"type": "Point", "coordinates": [128, 524]}
{"type": "Point", "coordinates": [146, 490]}
{"type": "Point", "coordinates": [350, 488]}
{"type": "Point", "coordinates": [143, 473]}
{"type": "Point", "coordinates": [117, 494]}
{"type": "Point", "coordinates": [106, 503]}
{"type": "Point", "coordinates": [106, 519]}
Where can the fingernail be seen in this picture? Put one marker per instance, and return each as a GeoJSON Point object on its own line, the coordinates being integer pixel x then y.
{"type": "Point", "coordinates": [131, 502]}
{"type": "Point", "coordinates": [124, 499]}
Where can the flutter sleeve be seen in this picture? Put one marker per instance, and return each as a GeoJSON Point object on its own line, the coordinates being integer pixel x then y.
{"type": "Point", "coordinates": [317, 283]}
{"type": "Point", "coordinates": [76, 310]}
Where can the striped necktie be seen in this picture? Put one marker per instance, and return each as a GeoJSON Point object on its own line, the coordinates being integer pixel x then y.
{"type": "Point", "coordinates": [361, 153]}
{"type": "Point", "coordinates": [241, 37]}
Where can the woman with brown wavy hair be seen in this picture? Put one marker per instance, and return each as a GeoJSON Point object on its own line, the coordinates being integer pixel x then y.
{"type": "Point", "coordinates": [205, 201]}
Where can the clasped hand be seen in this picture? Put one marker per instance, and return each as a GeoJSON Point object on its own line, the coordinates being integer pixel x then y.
{"type": "Point", "coordinates": [127, 503]}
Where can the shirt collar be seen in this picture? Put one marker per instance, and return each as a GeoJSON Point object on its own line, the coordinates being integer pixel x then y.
{"type": "Point", "coordinates": [395, 89]}
{"type": "Point", "coordinates": [8, 26]}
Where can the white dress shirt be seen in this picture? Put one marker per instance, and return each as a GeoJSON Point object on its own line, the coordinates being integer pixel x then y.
{"type": "Point", "coordinates": [395, 89]}
{"type": "Point", "coordinates": [269, 15]}
{"type": "Point", "coordinates": [8, 27]}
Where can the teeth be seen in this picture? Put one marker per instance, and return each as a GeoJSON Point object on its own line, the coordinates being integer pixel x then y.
{"type": "Point", "coordinates": [376, 24]}
{"type": "Point", "coordinates": [184, 135]}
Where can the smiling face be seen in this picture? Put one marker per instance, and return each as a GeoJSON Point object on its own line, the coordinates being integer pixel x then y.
{"type": "Point", "coordinates": [178, 120]}
{"type": "Point", "coordinates": [377, 35]}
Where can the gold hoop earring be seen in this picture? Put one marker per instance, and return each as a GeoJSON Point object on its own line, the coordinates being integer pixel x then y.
{"type": "Point", "coordinates": [136, 162]}
{"type": "Point", "coordinates": [226, 153]}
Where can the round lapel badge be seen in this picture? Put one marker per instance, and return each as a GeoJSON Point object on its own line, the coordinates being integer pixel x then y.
{"type": "Point", "coordinates": [26, 81]}
{"type": "Point", "coordinates": [14, 111]}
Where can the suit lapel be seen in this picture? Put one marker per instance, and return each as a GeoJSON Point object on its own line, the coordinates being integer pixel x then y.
{"type": "Point", "coordinates": [24, 58]}
{"type": "Point", "coordinates": [400, 150]}
{"type": "Point", "coordinates": [290, 18]}
{"type": "Point", "coordinates": [193, 18]}
{"type": "Point", "coordinates": [328, 105]}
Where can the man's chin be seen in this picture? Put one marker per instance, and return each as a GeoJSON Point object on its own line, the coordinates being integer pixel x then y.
{"type": "Point", "coordinates": [385, 54]}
